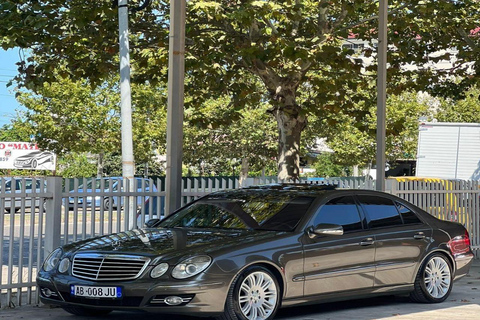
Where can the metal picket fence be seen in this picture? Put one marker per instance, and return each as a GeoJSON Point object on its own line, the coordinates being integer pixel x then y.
{"type": "Point", "coordinates": [86, 208]}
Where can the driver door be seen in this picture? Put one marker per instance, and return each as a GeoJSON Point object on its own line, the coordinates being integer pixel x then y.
{"type": "Point", "coordinates": [335, 263]}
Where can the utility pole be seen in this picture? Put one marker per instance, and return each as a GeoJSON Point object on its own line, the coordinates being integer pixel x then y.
{"type": "Point", "coordinates": [176, 69]}
{"type": "Point", "coordinates": [128, 164]}
{"type": "Point", "coordinates": [381, 93]}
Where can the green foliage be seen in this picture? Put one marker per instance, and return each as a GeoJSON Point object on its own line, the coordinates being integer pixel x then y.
{"type": "Point", "coordinates": [287, 53]}
{"type": "Point", "coordinates": [113, 166]}
{"type": "Point", "coordinates": [463, 110]}
{"type": "Point", "coordinates": [325, 166]}
{"type": "Point", "coordinates": [76, 165]}
{"type": "Point", "coordinates": [354, 140]}
{"type": "Point", "coordinates": [217, 138]}
{"type": "Point", "coordinates": [17, 130]}
{"type": "Point", "coordinates": [74, 116]}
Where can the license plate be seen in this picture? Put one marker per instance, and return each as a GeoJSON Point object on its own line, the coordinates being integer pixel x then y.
{"type": "Point", "coordinates": [95, 292]}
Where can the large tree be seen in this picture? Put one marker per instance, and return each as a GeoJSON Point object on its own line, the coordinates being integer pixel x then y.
{"type": "Point", "coordinates": [75, 116]}
{"type": "Point", "coordinates": [294, 47]}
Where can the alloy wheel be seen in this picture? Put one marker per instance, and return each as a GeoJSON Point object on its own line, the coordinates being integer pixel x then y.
{"type": "Point", "coordinates": [437, 277]}
{"type": "Point", "coordinates": [257, 296]}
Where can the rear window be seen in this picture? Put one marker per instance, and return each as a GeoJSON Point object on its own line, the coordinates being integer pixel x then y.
{"type": "Point", "coordinates": [408, 216]}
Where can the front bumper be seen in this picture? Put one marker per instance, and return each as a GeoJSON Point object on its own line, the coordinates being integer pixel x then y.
{"type": "Point", "coordinates": [204, 298]}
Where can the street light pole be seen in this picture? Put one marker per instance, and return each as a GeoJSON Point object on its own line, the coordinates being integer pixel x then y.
{"type": "Point", "coordinates": [176, 68]}
{"type": "Point", "coordinates": [128, 164]}
{"type": "Point", "coordinates": [381, 93]}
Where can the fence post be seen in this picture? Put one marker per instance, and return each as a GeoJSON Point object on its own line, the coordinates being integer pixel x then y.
{"type": "Point", "coordinates": [53, 215]}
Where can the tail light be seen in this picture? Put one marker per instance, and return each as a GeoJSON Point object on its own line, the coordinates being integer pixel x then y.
{"type": "Point", "coordinates": [460, 244]}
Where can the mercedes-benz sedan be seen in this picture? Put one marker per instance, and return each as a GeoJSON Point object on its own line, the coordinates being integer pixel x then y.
{"type": "Point", "coordinates": [242, 254]}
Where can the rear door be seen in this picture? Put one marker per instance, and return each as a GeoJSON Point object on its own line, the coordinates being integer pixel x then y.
{"type": "Point", "coordinates": [401, 238]}
{"type": "Point", "coordinates": [336, 263]}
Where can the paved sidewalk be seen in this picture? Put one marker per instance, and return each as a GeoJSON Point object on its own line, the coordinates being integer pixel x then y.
{"type": "Point", "coordinates": [463, 304]}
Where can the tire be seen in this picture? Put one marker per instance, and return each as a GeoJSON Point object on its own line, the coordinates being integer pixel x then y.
{"type": "Point", "coordinates": [434, 280]}
{"type": "Point", "coordinates": [106, 204]}
{"type": "Point", "coordinates": [82, 311]}
{"type": "Point", "coordinates": [255, 294]}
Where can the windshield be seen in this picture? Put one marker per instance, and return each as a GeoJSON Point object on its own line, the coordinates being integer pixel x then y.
{"type": "Point", "coordinates": [243, 210]}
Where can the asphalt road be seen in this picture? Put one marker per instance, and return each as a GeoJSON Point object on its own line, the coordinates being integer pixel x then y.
{"type": "Point", "coordinates": [463, 304]}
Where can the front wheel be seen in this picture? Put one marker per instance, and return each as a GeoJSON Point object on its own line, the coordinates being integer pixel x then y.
{"type": "Point", "coordinates": [82, 311]}
{"type": "Point", "coordinates": [254, 295]}
{"type": "Point", "coordinates": [434, 280]}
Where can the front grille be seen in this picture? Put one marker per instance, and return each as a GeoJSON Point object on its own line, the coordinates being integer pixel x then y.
{"type": "Point", "coordinates": [107, 267]}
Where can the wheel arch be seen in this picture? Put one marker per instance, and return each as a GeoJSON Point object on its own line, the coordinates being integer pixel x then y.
{"type": "Point", "coordinates": [270, 266]}
{"type": "Point", "coordinates": [441, 251]}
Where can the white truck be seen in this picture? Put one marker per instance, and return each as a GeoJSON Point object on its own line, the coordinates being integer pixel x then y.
{"type": "Point", "coordinates": [449, 151]}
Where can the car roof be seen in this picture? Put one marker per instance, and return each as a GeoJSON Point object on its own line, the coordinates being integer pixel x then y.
{"type": "Point", "coordinates": [299, 188]}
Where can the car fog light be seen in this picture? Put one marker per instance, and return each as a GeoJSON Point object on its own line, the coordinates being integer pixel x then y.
{"type": "Point", "coordinates": [173, 300]}
{"type": "Point", "coordinates": [47, 292]}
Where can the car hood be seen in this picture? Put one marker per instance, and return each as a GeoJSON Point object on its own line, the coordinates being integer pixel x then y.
{"type": "Point", "coordinates": [167, 242]}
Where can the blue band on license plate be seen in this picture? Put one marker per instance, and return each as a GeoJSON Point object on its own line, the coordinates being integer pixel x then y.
{"type": "Point", "coordinates": [95, 292]}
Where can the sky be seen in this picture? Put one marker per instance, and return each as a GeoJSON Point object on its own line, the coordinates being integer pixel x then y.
{"type": "Point", "coordinates": [8, 70]}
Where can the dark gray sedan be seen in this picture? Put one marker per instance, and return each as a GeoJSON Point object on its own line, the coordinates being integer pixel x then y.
{"type": "Point", "coordinates": [242, 254]}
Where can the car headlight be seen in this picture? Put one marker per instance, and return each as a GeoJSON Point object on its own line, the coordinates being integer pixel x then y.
{"type": "Point", "coordinates": [52, 260]}
{"type": "Point", "coordinates": [64, 265]}
{"type": "Point", "coordinates": [159, 270]}
{"type": "Point", "coordinates": [191, 266]}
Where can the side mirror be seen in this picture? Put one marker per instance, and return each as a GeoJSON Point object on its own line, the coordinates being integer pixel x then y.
{"type": "Point", "coordinates": [325, 229]}
{"type": "Point", "coordinates": [151, 223]}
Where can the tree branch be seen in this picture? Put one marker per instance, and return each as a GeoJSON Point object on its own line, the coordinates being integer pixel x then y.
{"type": "Point", "coordinates": [360, 22]}
{"type": "Point", "coordinates": [467, 39]}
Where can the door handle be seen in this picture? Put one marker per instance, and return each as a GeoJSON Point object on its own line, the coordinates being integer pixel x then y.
{"type": "Point", "coordinates": [419, 236]}
{"type": "Point", "coordinates": [367, 242]}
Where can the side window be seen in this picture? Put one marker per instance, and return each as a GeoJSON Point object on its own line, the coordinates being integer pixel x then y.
{"type": "Point", "coordinates": [381, 211]}
{"type": "Point", "coordinates": [28, 184]}
{"type": "Point", "coordinates": [408, 216]}
{"type": "Point", "coordinates": [141, 183]}
{"type": "Point", "coordinates": [342, 211]}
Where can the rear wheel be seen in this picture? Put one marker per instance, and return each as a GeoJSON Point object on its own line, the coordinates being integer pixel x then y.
{"type": "Point", "coordinates": [82, 311]}
{"type": "Point", "coordinates": [434, 281]}
{"type": "Point", "coordinates": [254, 295]}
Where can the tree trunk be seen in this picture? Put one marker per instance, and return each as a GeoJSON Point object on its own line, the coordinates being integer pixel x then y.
{"type": "Point", "coordinates": [243, 172]}
{"type": "Point", "coordinates": [290, 120]}
{"type": "Point", "coordinates": [290, 125]}
{"type": "Point", "coordinates": [100, 164]}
